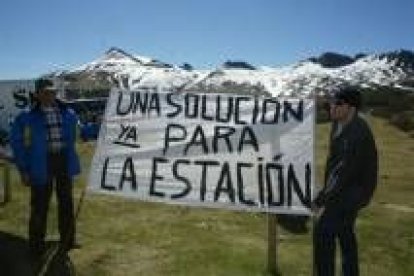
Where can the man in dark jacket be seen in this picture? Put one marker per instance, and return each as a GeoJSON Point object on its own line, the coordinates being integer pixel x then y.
{"type": "Point", "coordinates": [43, 143]}
{"type": "Point", "coordinates": [350, 180]}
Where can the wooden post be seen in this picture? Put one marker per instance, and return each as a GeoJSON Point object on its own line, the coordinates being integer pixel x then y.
{"type": "Point", "coordinates": [6, 182]}
{"type": "Point", "coordinates": [272, 244]}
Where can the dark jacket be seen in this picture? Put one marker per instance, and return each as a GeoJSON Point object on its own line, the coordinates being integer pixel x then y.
{"type": "Point", "coordinates": [29, 143]}
{"type": "Point", "coordinates": [351, 168]}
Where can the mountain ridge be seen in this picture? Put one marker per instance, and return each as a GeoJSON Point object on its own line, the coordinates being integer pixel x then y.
{"type": "Point", "coordinates": [316, 75]}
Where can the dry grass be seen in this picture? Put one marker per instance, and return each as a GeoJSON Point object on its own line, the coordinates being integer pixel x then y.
{"type": "Point", "coordinates": [121, 237]}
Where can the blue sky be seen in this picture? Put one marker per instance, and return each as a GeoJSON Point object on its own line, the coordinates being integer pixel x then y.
{"type": "Point", "coordinates": [40, 36]}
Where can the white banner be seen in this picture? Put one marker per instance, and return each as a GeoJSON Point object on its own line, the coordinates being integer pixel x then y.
{"type": "Point", "coordinates": [15, 95]}
{"type": "Point", "coordinates": [214, 150]}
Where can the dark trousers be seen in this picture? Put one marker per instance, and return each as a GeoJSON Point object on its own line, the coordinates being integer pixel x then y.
{"type": "Point", "coordinates": [40, 198]}
{"type": "Point", "coordinates": [332, 224]}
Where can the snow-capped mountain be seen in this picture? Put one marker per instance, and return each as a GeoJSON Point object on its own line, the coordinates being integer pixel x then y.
{"type": "Point", "coordinates": [315, 75]}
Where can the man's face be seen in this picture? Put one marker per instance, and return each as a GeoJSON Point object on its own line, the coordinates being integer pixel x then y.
{"type": "Point", "coordinates": [46, 96]}
{"type": "Point", "coordinates": [339, 110]}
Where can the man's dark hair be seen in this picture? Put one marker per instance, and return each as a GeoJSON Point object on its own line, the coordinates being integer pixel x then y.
{"type": "Point", "coordinates": [350, 95]}
{"type": "Point", "coordinates": [42, 83]}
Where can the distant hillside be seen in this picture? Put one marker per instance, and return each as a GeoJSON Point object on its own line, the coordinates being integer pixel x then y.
{"type": "Point", "coordinates": [316, 75]}
{"type": "Point", "coordinates": [332, 60]}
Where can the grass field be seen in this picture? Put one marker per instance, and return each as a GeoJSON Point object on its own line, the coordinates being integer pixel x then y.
{"type": "Point", "coordinates": [122, 237]}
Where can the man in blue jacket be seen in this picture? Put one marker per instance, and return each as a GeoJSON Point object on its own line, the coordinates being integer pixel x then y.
{"type": "Point", "coordinates": [350, 180]}
{"type": "Point", "coordinates": [43, 143]}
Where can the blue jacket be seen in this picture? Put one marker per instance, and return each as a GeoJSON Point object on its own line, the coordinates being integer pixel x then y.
{"type": "Point", "coordinates": [28, 140]}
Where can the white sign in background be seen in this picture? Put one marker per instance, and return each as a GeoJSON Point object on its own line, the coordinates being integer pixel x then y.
{"type": "Point", "coordinates": [214, 150]}
{"type": "Point", "coordinates": [14, 97]}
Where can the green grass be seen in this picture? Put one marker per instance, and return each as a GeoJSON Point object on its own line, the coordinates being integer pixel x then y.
{"type": "Point", "coordinates": [123, 237]}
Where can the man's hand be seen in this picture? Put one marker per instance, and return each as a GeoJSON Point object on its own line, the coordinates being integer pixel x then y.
{"type": "Point", "coordinates": [314, 208]}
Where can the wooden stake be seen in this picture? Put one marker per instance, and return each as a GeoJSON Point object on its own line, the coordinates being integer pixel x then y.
{"type": "Point", "coordinates": [6, 183]}
{"type": "Point", "coordinates": [272, 244]}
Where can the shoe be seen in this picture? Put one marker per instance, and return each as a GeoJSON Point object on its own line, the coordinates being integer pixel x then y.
{"type": "Point", "coordinates": [75, 246]}
{"type": "Point", "coordinates": [69, 247]}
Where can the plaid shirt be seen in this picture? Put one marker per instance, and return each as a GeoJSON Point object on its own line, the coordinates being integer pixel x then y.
{"type": "Point", "coordinates": [54, 129]}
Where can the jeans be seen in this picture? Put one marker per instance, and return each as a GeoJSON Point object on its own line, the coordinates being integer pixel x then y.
{"type": "Point", "coordinates": [335, 223]}
{"type": "Point", "coordinates": [39, 206]}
